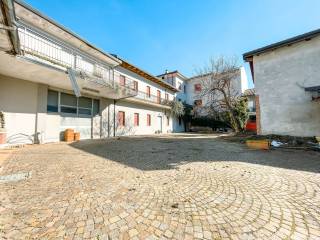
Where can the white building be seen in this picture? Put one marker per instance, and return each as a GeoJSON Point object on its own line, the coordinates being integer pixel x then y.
{"type": "Point", "coordinates": [51, 80]}
{"type": "Point", "coordinates": [179, 81]}
{"type": "Point", "coordinates": [194, 88]}
{"type": "Point", "coordinates": [287, 84]}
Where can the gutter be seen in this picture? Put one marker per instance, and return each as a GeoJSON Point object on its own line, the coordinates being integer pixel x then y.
{"type": "Point", "coordinates": [10, 20]}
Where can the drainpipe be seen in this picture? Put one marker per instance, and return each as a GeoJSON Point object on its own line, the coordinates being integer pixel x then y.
{"type": "Point", "coordinates": [7, 7]}
{"type": "Point", "coordinates": [114, 117]}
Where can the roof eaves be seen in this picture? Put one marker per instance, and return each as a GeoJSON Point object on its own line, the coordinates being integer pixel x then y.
{"type": "Point", "coordinates": [289, 41]}
{"type": "Point", "coordinates": [145, 74]}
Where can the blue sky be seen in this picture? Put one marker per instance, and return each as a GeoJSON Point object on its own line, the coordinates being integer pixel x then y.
{"type": "Point", "coordinates": [182, 34]}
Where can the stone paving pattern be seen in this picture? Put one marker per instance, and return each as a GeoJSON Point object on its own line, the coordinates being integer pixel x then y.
{"type": "Point", "coordinates": [167, 187]}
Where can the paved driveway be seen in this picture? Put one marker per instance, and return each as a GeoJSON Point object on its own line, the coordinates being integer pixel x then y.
{"type": "Point", "coordinates": [166, 187]}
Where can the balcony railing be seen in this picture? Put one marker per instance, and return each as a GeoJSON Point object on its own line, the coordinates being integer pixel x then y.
{"type": "Point", "coordinates": [41, 48]}
{"type": "Point", "coordinates": [152, 98]}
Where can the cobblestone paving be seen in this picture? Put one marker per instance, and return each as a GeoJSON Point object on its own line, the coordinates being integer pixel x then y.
{"type": "Point", "coordinates": [160, 188]}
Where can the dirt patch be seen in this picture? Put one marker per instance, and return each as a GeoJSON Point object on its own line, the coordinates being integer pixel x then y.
{"type": "Point", "coordinates": [305, 143]}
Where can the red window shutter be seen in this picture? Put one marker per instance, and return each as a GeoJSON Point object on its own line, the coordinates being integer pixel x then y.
{"type": "Point", "coordinates": [197, 87]}
{"type": "Point", "coordinates": [122, 80]}
{"type": "Point", "coordinates": [135, 85]}
{"type": "Point", "coordinates": [148, 120]}
{"type": "Point", "coordinates": [136, 119]}
{"type": "Point", "coordinates": [121, 118]}
{"type": "Point", "coordinates": [148, 91]}
{"type": "Point", "coordinates": [158, 96]}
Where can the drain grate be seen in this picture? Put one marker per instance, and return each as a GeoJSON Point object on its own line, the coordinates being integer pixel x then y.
{"type": "Point", "coordinates": [15, 177]}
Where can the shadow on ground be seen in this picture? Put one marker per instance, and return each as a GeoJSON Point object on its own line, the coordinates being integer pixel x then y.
{"type": "Point", "coordinates": [168, 151]}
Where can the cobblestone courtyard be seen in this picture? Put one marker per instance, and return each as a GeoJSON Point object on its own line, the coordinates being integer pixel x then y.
{"type": "Point", "coordinates": [165, 187]}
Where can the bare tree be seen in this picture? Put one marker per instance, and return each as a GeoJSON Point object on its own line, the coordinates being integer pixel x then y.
{"type": "Point", "coordinates": [219, 89]}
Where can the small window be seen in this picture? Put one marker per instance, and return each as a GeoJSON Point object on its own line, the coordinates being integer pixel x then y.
{"type": "Point", "coordinates": [68, 103]}
{"type": "Point", "coordinates": [148, 120]}
{"type": "Point", "coordinates": [148, 91]}
{"type": "Point", "coordinates": [198, 102]}
{"type": "Point", "coordinates": [96, 107]}
{"type": "Point", "coordinates": [121, 118]}
{"type": "Point", "coordinates": [184, 88]}
{"type": "Point", "coordinates": [197, 87]}
{"type": "Point", "coordinates": [180, 86]}
{"type": "Point", "coordinates": [52, 101]}
{"type": "Point", "coordinates": [166, 96]}
{"type": "Point", "coordinates": [180, 121]}
{"type": "Point", "coordinates": [136, 119]}
{"type": "Point", "coordinates": [168, 121]}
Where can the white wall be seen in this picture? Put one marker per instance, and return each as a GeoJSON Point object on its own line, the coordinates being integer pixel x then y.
{"type": "Point", "coordinates": [18, 101]}
{"type": "Point", "coordinates": [280, 77]}
{"type": "Point", "coordinates": [239, 83]}
{"type": "Point", "coordinates": [181, 94]}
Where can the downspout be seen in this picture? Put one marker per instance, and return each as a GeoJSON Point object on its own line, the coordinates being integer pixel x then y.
{"type": "Point", "coordinates": [7, 7]}
{"type": "Point", "coordinates": [114, 117]}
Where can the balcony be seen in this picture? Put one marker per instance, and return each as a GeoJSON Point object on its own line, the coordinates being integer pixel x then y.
{"type": "Point", "coordinates": [152, 98]}
{"type": "Point", "coordinates": [89, 74]}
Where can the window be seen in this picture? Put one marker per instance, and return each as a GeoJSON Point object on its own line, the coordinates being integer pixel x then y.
{"type": "Point", "coordinates": [52, 101]}
{"type": "Point", "coordinates": [85, 106]}
{"type": "Point", "coordinates": [168, 121]}
{"type": "Point", "coordinates": [198, 102]}
{"type": "Point", "coordinates": [135, 85]}
{"type": "Point", "coordinates": [184, 88]}
{"type": "Point", "coordinates": [68, 103]}
{"type": "Point", "coordinates": [121, 119]}
{"type": "Point", "coordinates": [166, 96]}
{"type": "Point", "coordinates": [136, 119]}
{"type": "Point", "coordinates": [197, 87]}
{"type": "Point", "coordinates": [122, 80]}
{"type": "Point", "coordinates": [180, 86]}
{"type": "Point", "coordinates": [180, 120]}
{"type": "Point", "coordinates": [148, 120]}
{"type": "Point", "coordinates": [158, 96]}
{"type": "Point", "coordinates": [148, 91]}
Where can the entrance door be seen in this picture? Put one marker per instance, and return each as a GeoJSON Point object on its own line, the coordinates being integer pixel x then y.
{"type": "Point", "coordinates": [160, 124]}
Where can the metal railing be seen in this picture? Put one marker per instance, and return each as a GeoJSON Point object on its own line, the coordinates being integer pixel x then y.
{"type": "Point", "coordinates": [39, 47]}
{"type": "Point", "coordinates": [152, 98]}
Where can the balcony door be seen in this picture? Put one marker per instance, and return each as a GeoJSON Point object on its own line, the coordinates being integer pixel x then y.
{"type": "Point", "coordinates": [160, 124]}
